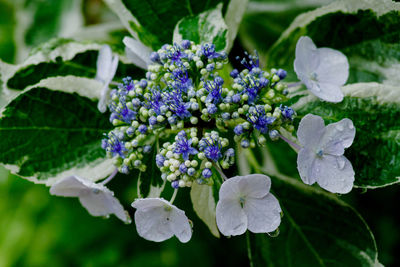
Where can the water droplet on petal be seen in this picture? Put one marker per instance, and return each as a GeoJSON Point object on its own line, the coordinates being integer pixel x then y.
{"type": "Point", "coordinates": [274, 233]}
{"type": "Point", "coordinates": [340, 162]}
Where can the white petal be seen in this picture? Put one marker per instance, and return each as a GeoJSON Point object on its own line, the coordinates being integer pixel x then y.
{"type": "Point", "coordinates": [307, 59]}
{"type": "Point", "coordinates": [310, 130]}
{"type": "Point", "coordinates": [71, 186]}
{"type": "Point", "coordinates": [157, 220]}
{"type": "Point", "coordinates": [180, 225]}
{"type": "Point", "coordinates": [230, 188]}
{"type": "Point", "coordinates": [104, 98]}
{"type": "Point", "coordinates": [305, 160]}
{"type": "Point", "coordinates": [263, 214]}
{"type": "Point", "coordinates": [100, 201]}
{"type": "Point", "coordinates": [153, 224]}
{"type": "Point", "coordinates": [335, 173]}
{"type": "Point", "coordinates": [337, 137]}
{"type": "Point", "coordinates": [254, 185]}
{"type": "Point", "coordinates": [326, 91]}
{"type": "Point", "coordinates": [231, 219]}
{"type": "Point", "coordinates": [104, 61]}
{"type": "Point", "coordinates": [147, 203]}
{"type": "Point", "coordinates": [137, 52]}
{"type": "Point", "coordinates": [333, 67]}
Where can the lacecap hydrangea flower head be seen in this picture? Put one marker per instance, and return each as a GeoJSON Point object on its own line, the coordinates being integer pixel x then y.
{"type": "Point", "coordinates": [188, 118]}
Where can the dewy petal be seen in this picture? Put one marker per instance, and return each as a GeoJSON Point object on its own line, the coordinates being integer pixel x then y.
{"type": "Point", "coordinates": [333, 67]}
{"type": "Point", "coordinates": [96, 198]}
{"type": "Point", "coordinates": [306, 60]}
{"type": "Point", "coordinates": [337, 137]}
{"type": "Point", "coordinates": [180, 225]}
{"type": "Point", "coordinates": [254, 185]}
{"type": "Point", "coordinates": [231, 219]}
{"type": "Point", "coordinates": [70, 186]}
{"type": "Point", "coordinates": [104, 61]}
{"type": "Point", "coordinates": [335, 173]}
{"type": "Point", "coordinates": [230, 188]}
{"type": "Point", "coordinates": [327, 91]}
{"type": "Point", "coordinates": [305, 159]}
{"type": "Point", "coordinates": [310, 131]}
{"type": "Point", "coordinates": [101, 202]}
{"type": "Point", "coordinates": [137, 52]}
{"type": "Point", "coordinates": [153, 225]}
{"type": "Point", "coordinates": [157, 220]}
{"type": "Point", "coordinates": [263, 214]}
{"type": "Point", "coordinates": [104, 98]}
{"type": "Point", "coordinates": [107, 76]}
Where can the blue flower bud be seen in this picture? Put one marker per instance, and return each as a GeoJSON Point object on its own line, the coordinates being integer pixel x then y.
{"type": "Point", "coordinates": [281, 73]}
{"type": "Point", "coordinates": [234, 73]}
{"type": "Point", "coordinates": [185, 44]}
{"type": "Point", "coordinates": [172, 120]}
{"type": "Point", "coordinates": [274, 135]}
{"type": "Point", "coordinates": [218, 80]}
{"type": "Point", "coordinates": [226, 116]}
{"type": "Point", "coordinates": [230, 152]}
{"type": "Point", "coordinates": [212, 109]}
{"type": "Point", "coordinates": [206, 173]}
{"type": "Point", "coordinates": [264, 82]}
{"type": "Point", "coordinates": [175, 184]}
{"type": "Point", "coordinates": [143, 83]}
{"type": "Point", "coordinates": [146, 149]}
{"type": "Point", "coordinates": [183, 168]}
{"type": "Point", "coordinates": [238, 130]}
{"type": "Point", "coordinates": [160, 160]}
{"type": "Point", "coordinates": [236, 98]}
{"type": "Point", "coordinates": [125, 169]}
{"type": "Point", "coordinates": [245, 143]}
{"type": "Point", "coordinates": [142, 129]}
{"type": "Point", "coordinates": [155, 57]}
{"type": "Point", "coordinates": [153, 120]}
{"type": "Point", "coordinates": [191, 171]}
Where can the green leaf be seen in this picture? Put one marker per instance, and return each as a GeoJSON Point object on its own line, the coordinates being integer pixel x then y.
{"type": "Point", "coordinates": [207, 27]}
{"type": "Point", "coordinates": [317, 229]}
{"type": "Point", "coordinates": [38, 21]}
{"type": "Point", "coordinates": [7, 27]}
{"type": "Point", "coordinates": [61, 57]}
{"type": "Point", "coordinates": [366, 31]}
{"type": "Point", "coordinates": [47, 134]}
{"type": "Point", "coordinates": [204, 205]}
{"type": "Point", "coordinates": [374, 109]}
{"type": "Point", "coordinates": [153, 22]}
{"type": "Point", "coordinates": [150, 183]}
{"type": "Point", "coordinates": [265, 20]}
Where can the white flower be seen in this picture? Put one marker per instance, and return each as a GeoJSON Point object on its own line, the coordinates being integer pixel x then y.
{"type": "Point", "coordinates": [322, 70]}
{"type": "Point", "coordinates": [106, 69]}
{"type": "Point", "coordinates": [137, 52]}
{"type": "Point", "coordinates": [96, 198]}
{"type": "Point", "coordinates": [245, 203]}
{"type": "Point", "coordinates": [321, 158]}
{"type": "Point", "coordinates": [158, 220]}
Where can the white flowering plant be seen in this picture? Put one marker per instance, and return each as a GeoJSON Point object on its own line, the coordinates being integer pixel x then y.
{"type": "Point", "coordinates": [261, 143]}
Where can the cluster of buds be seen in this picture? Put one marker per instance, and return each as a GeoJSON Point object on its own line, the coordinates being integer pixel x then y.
{"type": "Point", "coordinates": [186, 111]}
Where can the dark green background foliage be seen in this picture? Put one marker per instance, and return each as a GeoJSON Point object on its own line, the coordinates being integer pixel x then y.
{"type": "Point", "coordinates": [160, 17]}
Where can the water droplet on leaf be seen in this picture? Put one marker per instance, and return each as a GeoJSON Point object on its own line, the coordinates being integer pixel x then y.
{"type": "Point", "coordinates": [274, 233]}
{"type": "Point", "coordinates": [340, 162]}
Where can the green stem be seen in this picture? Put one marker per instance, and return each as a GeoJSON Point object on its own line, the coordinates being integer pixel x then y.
{"type": "Point", "coordinates": [249, 249]}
